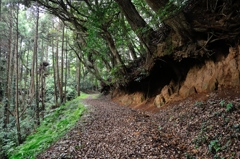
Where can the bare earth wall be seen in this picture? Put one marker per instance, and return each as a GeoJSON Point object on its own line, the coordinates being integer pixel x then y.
{"type": "Point", "coordinates": [212, 75]}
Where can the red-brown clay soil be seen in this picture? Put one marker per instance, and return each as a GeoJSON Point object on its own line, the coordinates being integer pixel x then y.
{"type": "Point", "coordinates": [205, 126]}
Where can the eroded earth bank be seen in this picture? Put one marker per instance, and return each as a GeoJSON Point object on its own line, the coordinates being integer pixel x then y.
{"type": "Point", "coordinates": [172, 81]}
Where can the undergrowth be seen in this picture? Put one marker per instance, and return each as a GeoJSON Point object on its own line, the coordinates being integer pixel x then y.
{"type": "Point", "coordinates": [54, 126]}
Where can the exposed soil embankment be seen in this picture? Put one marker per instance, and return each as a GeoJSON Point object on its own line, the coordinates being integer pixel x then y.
{"type": "Point", "coordinates": [171, 80]}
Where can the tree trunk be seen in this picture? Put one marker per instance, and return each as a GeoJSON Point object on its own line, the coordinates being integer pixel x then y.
{"type": "Point", "coordinates": [32, 81]}
{"type": "Point", "coordinates": [107, 63]}
{"type": "Point", "coordinates": [91, 68]}
{"type": "Point", "coordinates": [36, 66]}
{"type": "Point", "coordinates": [8, 81]}
{"type": "Point", "coordinates": [46, 53]}
{"type": "Point", "coordinates": [58, 73]}
{"type": "Point", "coordinates": [177, 22]}
{"type": "Point", "coordinates": [132, 51]}
{"type": "Point", "coordinates": [66, 71]}
{"type": "Point", "coordinates": [54, 76]}
{"type": "Point", "coordinates": [133, 55]}
{"type": "Point", "coordinates": [111, 45]}
{"type": "Point", "coordinates": [78, 76]}
{"type": "Point", "coordinates": [42, 85]}
{"type": "Point", "coordinates": [62, 63]}
{"type": "Point", "coordinates": [145, 33]}
{"type": "Point", "coordinates": [19, 138]}
{"type": "Point", "coordinates": [25, 74]}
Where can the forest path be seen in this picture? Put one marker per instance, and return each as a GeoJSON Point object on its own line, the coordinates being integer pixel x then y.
{"type": "Point", "coordinates": [113, 131]}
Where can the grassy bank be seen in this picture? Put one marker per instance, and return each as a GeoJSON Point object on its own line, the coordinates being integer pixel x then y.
{"type": "Point", "coordinates": [54, 126]}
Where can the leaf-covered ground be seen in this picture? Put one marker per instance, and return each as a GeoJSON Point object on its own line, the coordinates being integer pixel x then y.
{"type": "Point", "coordinates": [202, 126]}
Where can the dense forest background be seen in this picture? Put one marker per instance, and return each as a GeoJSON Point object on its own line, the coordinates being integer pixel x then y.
{"type": "Point", "coordinates": [52, 49]}
{"type": "Point", "coordinates": [39, 70]}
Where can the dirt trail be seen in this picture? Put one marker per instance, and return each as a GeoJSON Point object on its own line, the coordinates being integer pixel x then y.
{"type": "Point", "coordinates": [181, 131]}
{"type": "Point", "coordinates": [112, 131]}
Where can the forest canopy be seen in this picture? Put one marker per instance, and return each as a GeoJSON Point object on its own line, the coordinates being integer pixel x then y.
{"type": "Point", "coordinates": [119, 41]}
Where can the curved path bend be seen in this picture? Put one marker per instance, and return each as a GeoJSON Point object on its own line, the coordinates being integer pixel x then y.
{"type": "Point", "coordinates": [112, 131]}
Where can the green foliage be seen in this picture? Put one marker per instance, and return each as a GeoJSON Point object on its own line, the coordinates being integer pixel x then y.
{"type": "Point", "coordinates": [197, 103]}
{"type": "Point", "coordinates": [222, 103]}
{"type": "Point", "coordinates": [189, 156]}
{"type": "Point", "coordinates": [48, 26]}
{"type": "Point", "coordinates": [71, 92]}
{"type": "Point", "coordinates": [214, 146]}
{"type": "Point", "coordinates": [8, 140]}
{"type": "Point", "coordinates": [201, 138]}
{"type": "Point", "coordinates": [229, 107]}
{"type": "Point", "coordinates": [171, 8]}
{"type": "Point", "coordinates": [55, 125]}
{"type": "Point", "coordinates": [115, 74]}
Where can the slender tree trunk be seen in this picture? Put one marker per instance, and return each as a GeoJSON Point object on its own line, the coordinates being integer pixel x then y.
{"type": "Point", "coordinates": [54, 76]}
{"type": "Point", "coordinates": [78, 76]}
{"type": "Point", "coordinates": [66, 70]}
{"type": "Point", "coordinates": [42, 77]}
{"type": "Point", "coordinates": [46, 53]}
{"type": "Point", "coordinates": [25, 79]}
{"type": "Point", "coordinates": [19, 138]}
{"type": "Point", "coordinates": [62, 63]}
{"type": "Point", "coordinates": [57, 72]}
{"type": "Point", "coordinates": [37, 72]}
{"type": "Point", "coordinates": [8, 85]}
{"type": "Point", "coordinates": [21, 77]}
{"type": "Point", "coordinates": [20, 61]}
{"type": "Point", "coordinates": [32, 81]}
